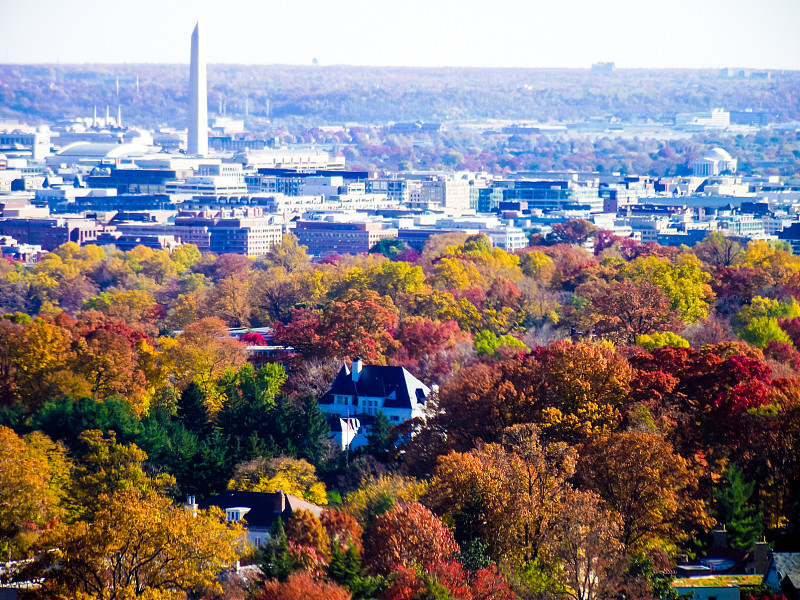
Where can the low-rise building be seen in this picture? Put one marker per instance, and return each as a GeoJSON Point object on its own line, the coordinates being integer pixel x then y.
{"type": "Point", "coordinates": [50, 233]}
{"type": "Point", "coordinates": [323, 238]}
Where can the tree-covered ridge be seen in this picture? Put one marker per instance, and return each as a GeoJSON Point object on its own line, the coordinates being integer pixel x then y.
{"type": "Point", "coordinates": [597, 412]}
{"type": "Point", "coordinates": [341, 94]}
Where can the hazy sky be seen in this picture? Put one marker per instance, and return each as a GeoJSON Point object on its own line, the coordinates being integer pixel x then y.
{"type": "Point", "coordinates": [503, 33]}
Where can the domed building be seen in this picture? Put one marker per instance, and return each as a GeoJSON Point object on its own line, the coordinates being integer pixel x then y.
{"type": "Point", "coordinates": [714, 162]}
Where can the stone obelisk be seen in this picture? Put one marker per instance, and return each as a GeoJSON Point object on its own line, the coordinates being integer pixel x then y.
{"type": "Point", "coordinates": [198, 99]}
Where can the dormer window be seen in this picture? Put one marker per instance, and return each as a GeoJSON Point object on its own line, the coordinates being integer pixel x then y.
{"type": "Point", "coordinates": [237, 513]}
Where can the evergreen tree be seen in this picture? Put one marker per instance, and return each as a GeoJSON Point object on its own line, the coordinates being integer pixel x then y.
{"type": "Point", "coordinates": [314, 430]}
{"type": "Point", "coordinates": [192, 410]}
{"type": "Point", "coordinates": [740, 518]}
{"type": "Point", "coordinates": [378, 443]}
{"type": "Point", "coordinates": [274, 559]}
{"type": "Point", "coordinates": [345, 569]}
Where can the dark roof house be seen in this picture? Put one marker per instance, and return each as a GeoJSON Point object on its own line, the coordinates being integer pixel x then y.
{"type": "Point", "coordinates": [363, 391]}
{"type": "Point", "coordinates": [783, 574]}
{"type": "Point", "coordinates": [258, 510]}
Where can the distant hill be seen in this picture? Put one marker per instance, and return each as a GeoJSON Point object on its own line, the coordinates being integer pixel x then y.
{"type": "Point", "coordinates": [320, 95]}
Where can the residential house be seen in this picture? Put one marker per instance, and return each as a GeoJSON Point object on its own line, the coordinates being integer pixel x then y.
{"type": "Point", "coordinates": [361, 392]}
{"type": "Point", "coordinates": [257, 510]}
{"type": "Point", "coordinates": [783, 574]}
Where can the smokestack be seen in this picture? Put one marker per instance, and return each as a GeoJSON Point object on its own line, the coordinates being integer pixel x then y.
{"type": "Point", "coordinates": [119, 116]}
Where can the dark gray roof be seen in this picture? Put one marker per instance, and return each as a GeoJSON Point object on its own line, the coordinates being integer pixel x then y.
{"type": "Point", "coordinates": [787, 564]}
{"type": "Point", "coordinates": [397, 385]}
{"type": "Point", "coordinates": [262, 506]}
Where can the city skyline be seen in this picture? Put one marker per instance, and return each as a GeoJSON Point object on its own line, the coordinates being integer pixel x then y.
{"type": "Point", "coordinates": [575, 33]}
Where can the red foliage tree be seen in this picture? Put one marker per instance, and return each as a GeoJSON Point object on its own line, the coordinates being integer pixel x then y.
{"type": "Point", "coordinates": [407, 535]}
{"type": "Point", "coordinates": [360, 324]}
{"type": "Point", "coordinates": [302, 586]}
{"type": "Point", "coordinates": [253, 339]}
{"type": "Point", "coordinates": [705, 394]}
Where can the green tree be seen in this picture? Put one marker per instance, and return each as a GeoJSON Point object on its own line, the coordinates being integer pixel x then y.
{"type": "Point", "coordinates": [107, 467]}
{"type": "Point", "coordinates": [378, 443]}
{"type": "Point", "coordinates": [193, 410]}
{"type": "Point", "coordinates": [390, 248]}
{"type": "Point", "coordinates": [734, 509]}
{"type": "Point", "coordinates": [660, 340]}
{"type": "Point", "coordinates": [274, 559]}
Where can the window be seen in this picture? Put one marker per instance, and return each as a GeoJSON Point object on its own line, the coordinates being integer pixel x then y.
{"type": "Point", "coordinates": [257, 542]}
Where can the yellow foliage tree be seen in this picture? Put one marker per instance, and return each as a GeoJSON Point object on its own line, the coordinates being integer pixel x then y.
{"type": "Point", "coordinates": [107, 467]}
{"type": "Point", "coordinates": [292, 476]}
{"type": "Point", "coordinates": [34, 474]}
{"type": "Point", "coordinates": [375, 496]}
{"type": "Point", "coordinates": [136, 545]}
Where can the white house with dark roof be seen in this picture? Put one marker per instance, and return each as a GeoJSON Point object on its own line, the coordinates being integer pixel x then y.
{"type": "Point", "coordinates": [362, 392]}
{"type": "Point", "coordinates": [257, 510]}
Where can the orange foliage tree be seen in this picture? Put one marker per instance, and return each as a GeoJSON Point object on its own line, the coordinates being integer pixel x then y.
{"type": "Point", "coordinates": [407, 535]}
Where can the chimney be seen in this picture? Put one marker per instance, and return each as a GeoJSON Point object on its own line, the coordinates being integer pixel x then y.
{"type": "Point", "coordinates": [357, 366]}
{"type": "Point", "coordinates": [720, 536]}
{"type": "Point", "coordinates": [761, 552]}
{"type": "Point", "coordinates": [280, 502]}
{"type": "Point", "coordinates": [191, 505]}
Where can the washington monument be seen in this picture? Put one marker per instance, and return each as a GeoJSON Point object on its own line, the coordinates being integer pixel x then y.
{"type": "Point", "coordinates": [198, 98]}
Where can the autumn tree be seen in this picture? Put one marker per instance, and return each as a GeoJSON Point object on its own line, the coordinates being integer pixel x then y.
{"type": "Point", "coordinates": [359, 324]}
{"type": "Point", "coordinates": [302, 586]}
{"type": "Point", "coordinates": [622, 311]}
{"type": "Point", "coordinates": [573, 231]}
{"type": "Point", "coordinates": [202, 353]}
{"type": "Point", "coordinates": [34, 477]}
{"type": "Point", "coordinates": [569, 390]}
{"type": "Point", "coordinates": [719, 250]}
{"type": "Point", "coordinates": [407, 535]}
{"type": "Point", "coordinates": [506, 494]}
{"type": "Point", "coordinates": [106, 467]}
{"type": "Point", "coordinates": [136, 544]}
{"type": "Point", "coordinates": [274, 293]}
{"type": "Point", "coordinates": [587, 548]}
{"type": "Point", "coordinates": [376, 496]}
{"type": "Point", "coordinates": [292, 476]}
{"type": "Point", "coordinates": [683, 281]}
{"type": "Point", "coordinates": [289, 254]}
{"type": "Point", "coordinates": [305, 529]}
{"type": "Point", "coordinates": [342, 529]}
{"type": "Point", "coordinates": [758, 322]}
{"type": "Point", "coordinates": [230, 301]}
{"type": "Point", "coordinates": [646, 485]}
